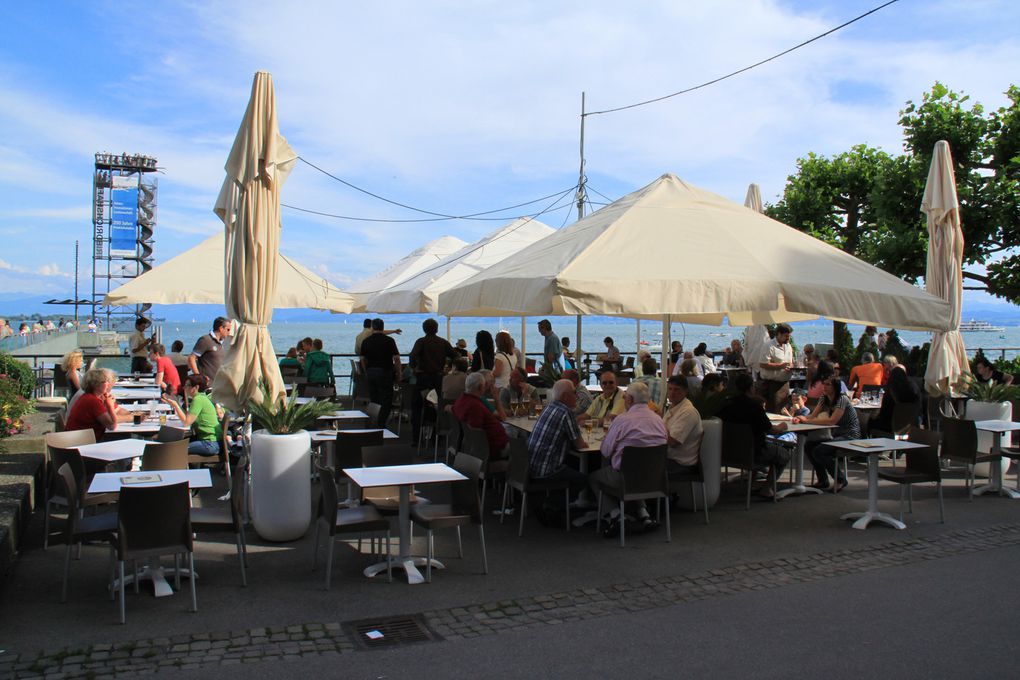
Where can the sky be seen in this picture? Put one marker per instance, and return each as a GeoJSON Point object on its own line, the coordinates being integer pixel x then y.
{"type": "Point", "coordinates": [452, 107]}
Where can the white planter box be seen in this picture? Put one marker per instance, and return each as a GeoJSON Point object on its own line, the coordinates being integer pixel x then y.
{"type": "Point", "coordinates": [281, 488]}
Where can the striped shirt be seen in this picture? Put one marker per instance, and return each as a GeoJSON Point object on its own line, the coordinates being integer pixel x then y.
{"type": "Point", "coordinates": [555, 430]}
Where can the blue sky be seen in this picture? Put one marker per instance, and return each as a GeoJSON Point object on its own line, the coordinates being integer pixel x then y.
{"type": "Point", "coordinates": [454, 107]}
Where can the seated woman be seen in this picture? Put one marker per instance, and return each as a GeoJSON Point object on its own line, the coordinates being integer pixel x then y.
{"type": "Point", "coordinates": [822, 373]}
{"type": "Point", "coordinates": [899, 390]}
{"type": "Point", "coordinates": [836, 410]}
{"type": "Point", "coordinates": [611, 359]}
{"type": "Point", "coordinates": [95, 408]}
{"type": "Point", "coordinates": [704, 358]}
{"type": "Point", "coordinates": [291, 360]}
{"type": "Point", "coordinates": [568, 356]}
{"type": "Point", "coordinates": [689, 370]}
{"type": "Point", "coordinates": [201, 417]}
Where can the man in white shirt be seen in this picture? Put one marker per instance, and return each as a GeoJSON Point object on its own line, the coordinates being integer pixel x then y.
{"type": "Point", "coordinates": [776, 369]}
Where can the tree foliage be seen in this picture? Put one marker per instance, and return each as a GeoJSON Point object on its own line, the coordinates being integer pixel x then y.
{"type": "Point", "coordinates": [867, 202]}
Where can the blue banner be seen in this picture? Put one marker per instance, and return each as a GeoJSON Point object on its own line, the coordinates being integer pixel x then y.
{"type": "Point", "coordinates": [124, 216]}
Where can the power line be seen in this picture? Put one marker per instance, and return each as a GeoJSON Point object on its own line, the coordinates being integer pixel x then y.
{"type": "Point", "coordinates": [441, 216]}
{"type": "Point", "coordinates": [746, 68]}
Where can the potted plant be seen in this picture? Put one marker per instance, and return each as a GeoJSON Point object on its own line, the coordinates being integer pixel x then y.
{"type": "Point", "coordinates": [281, 495]}
{"type": "Point", "coordinates": [988, 401]}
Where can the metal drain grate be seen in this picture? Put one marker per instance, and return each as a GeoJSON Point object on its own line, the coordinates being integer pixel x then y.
{"type": "Point", "coordinates": [390, 632]}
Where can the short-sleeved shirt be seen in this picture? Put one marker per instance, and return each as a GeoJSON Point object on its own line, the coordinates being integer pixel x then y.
{"type": "Point", "coordinates": [639, 426]}
{"type": "Point", "coordinates": [555, 431]}
{"type": "Point", "coordinates": [470, 410]}
{"type": "Point", "coordinates": [138, 339]}
{"type": "Point", "coordinates": [360, 339]}
{"type": "Point", "coordinates": [866, 374]}
{"type": "Point", "coordinates": [430, 353]}
{"type": "Point", "coordinates": [553, 348]}
{"type": "Point", "coordinates": [777, 354]}
{"type": "Point", "coordinates": [170, 375]}
{"type": "Point", "coordinates": [378, 351]}
{"type": "Point", "coordinates": [654, 390]}
{"type": "Point", "coordinates": [584, 399]}
{"type": "Point", "coordinates": [85, 414]}
{"type": "Point", "coordinates": [848, 426]}
{"type": "Point", "coordinates": [683, 423]}
{"type": "Point", "coordinates": [601, 406]}
{"type": "Point", "coordinates": [207, 423]}
{"type": "Point", "coordinates": [209, 351]}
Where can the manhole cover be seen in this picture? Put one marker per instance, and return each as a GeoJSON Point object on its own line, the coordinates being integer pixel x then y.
{"type": "Point", "coordinates": [389, 632]}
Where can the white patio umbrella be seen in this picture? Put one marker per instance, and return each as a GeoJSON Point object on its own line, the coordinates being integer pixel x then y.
{"type": "Point", "coordinates": [249, 205]}
{"type": "Point", "coordinates": [409, 265]}
{"type": "Point", "coordinates": [947, 358]}
{"type": "Point", "coordinates": [197, 276]}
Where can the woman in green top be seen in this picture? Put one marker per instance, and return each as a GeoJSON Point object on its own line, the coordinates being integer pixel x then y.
{"type": "Point", "coordinates": [318, 365]}
{"type": "Point", "coordinates": [291, 359]}
{"type": "Point", "coordinates": [201, 416]}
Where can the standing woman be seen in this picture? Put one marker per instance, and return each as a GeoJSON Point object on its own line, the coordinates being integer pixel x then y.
{"type": "Point", "coordinates": [834, 410]}
{"type": "Point", "coordinates": [505, 360]}
{"type": "Point", "coordinates": [485, 352]}
{"type": "Point", "coordinates": [72, 364]}
{"type": "Point", "coordinates": [201, 416]}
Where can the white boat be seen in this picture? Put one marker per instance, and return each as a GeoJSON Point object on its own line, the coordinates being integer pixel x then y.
{"type": "Point", "coordinates": [973, 326]}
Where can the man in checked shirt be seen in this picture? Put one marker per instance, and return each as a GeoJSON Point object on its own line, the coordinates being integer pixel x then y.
{"type": "Point", "coordinates": [555, 431]}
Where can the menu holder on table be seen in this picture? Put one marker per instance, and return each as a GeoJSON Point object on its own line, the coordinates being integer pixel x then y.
{"type": "Point", "coordinates": [128, 480]}
{"type": "Point", "coordinates": [866, 445]}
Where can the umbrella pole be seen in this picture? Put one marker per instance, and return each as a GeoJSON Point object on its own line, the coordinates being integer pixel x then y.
{"type": "Point", "coordinates": [577, 350]}
{"type": "Point", "coordinates": [448, 336]}
{"type": "Point", "coordinates": [664, 361]}
{"type": "Point", "coordinates": [637, 341]}
{"type": "Point", "coordinates": [524, 339]}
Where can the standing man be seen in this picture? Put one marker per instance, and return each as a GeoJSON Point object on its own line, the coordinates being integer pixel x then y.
{"type": "Point", "coordinates": [367, 331]}
{"type": "Point", "coordinates": [207, 355]}
{"type": "Point", "coordinates": [776, 369]}
{"type": "Point", "coordinates": [428, 361]}
{"type": "Point", "coordinates": [140, 347]}
{"type": "Point", "coordinates": [380, 361]}
{"type": "Point", "coordinates": [552, 352]}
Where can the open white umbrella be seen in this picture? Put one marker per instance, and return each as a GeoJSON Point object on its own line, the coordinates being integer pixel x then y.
{"type": "Point", "coordinates": [947, 359]}
{"type": "Point", "coordinates": [249, 205]}
{"type": "Point", "coordinates": [196, 276]}
{"type": "Point", "coordinates": [409, 265]}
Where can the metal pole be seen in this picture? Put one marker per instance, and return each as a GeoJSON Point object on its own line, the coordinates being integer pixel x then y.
{"type": "Point", "coordinates": [76, 281]}
{"type": "Point", "coordinates": [638, 341]}
{"type": "Point", "coordinates": [581, 180]}
{"type": "Point", "coordinates": [524, 340]}
{"type": "Point", "coordinates": [665, 355]}
{"type": "Point", "coordinates": [448, 329]}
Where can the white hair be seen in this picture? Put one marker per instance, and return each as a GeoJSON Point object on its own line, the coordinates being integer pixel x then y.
{"type": "Point", "coordinates": [638, 392]}
{"type": "Point", "coordinates": [475, 382]}
{"type": "Point", "coordinates": [560, 388]}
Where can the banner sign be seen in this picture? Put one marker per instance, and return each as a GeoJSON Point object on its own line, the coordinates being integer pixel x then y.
{"type": "Point", "coordinates": [124, 216]}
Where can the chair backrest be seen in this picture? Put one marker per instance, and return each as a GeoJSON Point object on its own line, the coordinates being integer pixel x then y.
{"type": "Point", "coordinates": [165, 456]}
{"type": "Point", "coordinates": [349, 446]}
{"type": "Point", "coordinates": [327, 497]}
{"type": "Point", "coordinates": [70, 488]}
{"type": "Point", "coordinates": [387, 454]}
{"type": "Point", "coordinates": [237, 483]}
{"type": "Point", "coordinates": [60, 457]}
{"type": "Point", "coordinates": [644, 471]}
{"type": "Point", "coordinates": [453, 440]}
{"type": "Point", "coordinates": [152, 518]}
{"type": "Point", "coordinates": [959, 439]}
{"type": "Point", "coordinates": [520, 461]}
{"type": "Point", "coordinates": [530, 365]}
{"type": "Point", "coordinates": [905, 415]}
{"type": "Point", "coordinates": [288, 371]}
{"type": "Point", "coordinates": [70, 438]}
{"type": "Point", "coordinates": [926, 460]}
{"type": "Point", "coordinates": [464, 493]}
{"type": "Point", "coordinates": [169, 434]}
{"type": "Point", "coordinates": [737, 445]}
{"type": "Point", "coordinates": [372, 409]}
{"type": "Point", "coordinates": [60, 378]}
{"type": "Point", "coordinates": [475, 443]}
{"type": "Point", "coordinates": [623, 379]}
{"type": "Point", "coordinates": [629, 363]}
{"type": "Point", "coordinates": [316, 391]}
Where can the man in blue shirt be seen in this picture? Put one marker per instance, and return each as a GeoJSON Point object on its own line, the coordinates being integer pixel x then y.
{"type": "Point", "coordinates": [552, 352]}
{"type": "Point", "coordinates": [555, 431]}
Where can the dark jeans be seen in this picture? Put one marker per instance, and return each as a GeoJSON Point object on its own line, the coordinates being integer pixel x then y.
{"type": "Point", "coordinates": [577, 480]}
{"type": "Point", "coordinates": [140, 365]}
{"type": "Point", "coordinates": [380, 391]}
{"type": "Point", "coordinates": [823, 459]}
{"type": "Point", "coordinates": [424, 383]}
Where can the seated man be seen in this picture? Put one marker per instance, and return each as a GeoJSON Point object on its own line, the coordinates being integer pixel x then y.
{"type": "Point", "coordinates": [520, 392]}
{"type": "Point", "coordinates": [870, 372]}
{"type": "Point", "coordinates": [637, 426]}
{"type": "Point", "coordinates": [556, 431]}
{"type": "Point", "coordinates": [470, 410]}
{"type": "Point", "coordinates": [610, 402]}
{"type": "Point", "coordinates": [747, 409]}
{"type": "Point", "coordinates": [453, 382]}
{"type": "Point", "coordinates": [683, 428]}
{"type": "Point", "coordinates": [713, 383]}
{"type": "Point", "coordinates": [648, 377]}
{"type": "Point", "coordinates": [584, 397]}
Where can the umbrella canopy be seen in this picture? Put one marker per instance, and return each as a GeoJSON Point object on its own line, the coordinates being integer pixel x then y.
{"type": "Point", "coordinates": [420, 293]}
{"type": "Point", "coordinates": [722, 260]}
{"type": "Point", "coordinates": [249, 205]}
{"type": "Point", "coordinates": [196, 277]}
{"type": "Point", "coordinates": [411, 264]}
{"type": "Point", "coordinates": [947, 359]}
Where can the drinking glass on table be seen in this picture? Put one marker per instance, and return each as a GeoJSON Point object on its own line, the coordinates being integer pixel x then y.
{"type": "Point", "coordinates": [588, 425]}
{"type": "Point", "coordinates": [514, 403]}
{"type": "Point", "coordinates": [526, 403]}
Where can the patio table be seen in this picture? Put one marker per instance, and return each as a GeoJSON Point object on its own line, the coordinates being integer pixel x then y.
{"type": "Point", "coordinates": [873, 448]}
{"type": "Point", "coordinates": [997, 428]}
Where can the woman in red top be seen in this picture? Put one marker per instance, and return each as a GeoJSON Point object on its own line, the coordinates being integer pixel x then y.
{"type": "Point", "coordinates": [167, 377]}
{"type": "Point", "coordinates": [96, 408]}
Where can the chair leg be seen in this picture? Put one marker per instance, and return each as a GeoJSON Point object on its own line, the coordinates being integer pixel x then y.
{"type": "Point", "coordinates": [485, 557]}
{"type": "Point", "coordinates": [704, 498]}
{"type": "Point", "coordinates": [623, 524]}
{"type": "Point", "coordinates": [194, 594]}
{"type": "Point", "coordinates": [315, 546]}
{"type": "Point", "coordinates": [329, 561]}
{"type": "Point", "coordinates": [523, 510]}
{"type": "Point", "coordinates": [177, 571]}
{"type": "Point", "coordinates": [460, 545]}
{"type": "Point", "coordinates": [502, 509]}
{"type": "Point", "coordinates": [67, 571]}
{"type": "Point", "coordinates": [942, 515]}
{"type": "Point", "coordinates": [240, 559]}
{"type": "Point", "coordinates": [123, 614]}
{"type": "Point", "coordinates": [669, 529]}
{"type": "Point", "coordinates": [428, 563]}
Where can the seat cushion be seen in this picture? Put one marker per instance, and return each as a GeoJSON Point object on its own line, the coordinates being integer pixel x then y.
{"type": "Point", "coordinates": [99, 527]}
{"type": "Point", "coordinates": [209, 519]}
{"type": "Point", "coordinates": [360, 518]}
{"type": "Point", "coordinates": [438, 516]}
{"type": "Point", "coordinates": [901, 476]}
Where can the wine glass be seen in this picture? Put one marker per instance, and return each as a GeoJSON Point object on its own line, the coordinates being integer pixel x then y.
{"type": "Point", "coordinates": [526, 403]}
{"type": "Point", "coordinates": [514, 402]}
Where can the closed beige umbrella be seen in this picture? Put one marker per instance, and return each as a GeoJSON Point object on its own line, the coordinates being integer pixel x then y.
{"type": "Point", "coordinates": [947, 359]}
{"type": "Point", "coordinates": [756, 338]}
{"type": "Point", "coordinates": [249, 205]}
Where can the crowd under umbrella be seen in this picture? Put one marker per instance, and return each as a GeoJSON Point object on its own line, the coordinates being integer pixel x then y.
{"type": "Point", "coordinates": [197, 276]}
{"type": "Point", "coordinates": [249, 205]}
{"type": "Point", "coordinates": [724, 262]}
{"type": "Point", "coordinates": [947, 358]}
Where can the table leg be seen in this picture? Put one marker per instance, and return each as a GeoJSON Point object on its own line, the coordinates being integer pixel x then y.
{"type": "Point", "coordinates": [995, 473]}
{"type": "Point", "coordinates": [873, 514]}
{"type": "Point", "coordinates": [155, 572]}
{"type": "Point", "coordinates": [405, 560]}
{"type": "Point", "coordinates": [798, 488]}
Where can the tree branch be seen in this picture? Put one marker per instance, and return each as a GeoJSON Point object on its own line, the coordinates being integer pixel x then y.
{"type": "Point", "coordinates": [976, 277]}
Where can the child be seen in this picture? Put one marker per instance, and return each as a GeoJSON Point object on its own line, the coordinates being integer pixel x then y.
{"type": "Point", "coordinates": [796, 407]}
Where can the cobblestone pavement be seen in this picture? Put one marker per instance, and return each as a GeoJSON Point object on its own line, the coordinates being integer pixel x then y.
{"type": "Point", "coordinates": [202, 650]}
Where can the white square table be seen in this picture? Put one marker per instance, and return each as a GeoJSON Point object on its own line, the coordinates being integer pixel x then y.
{"type": "Point", "coordinates": [131, 382]}
{"type": "Point", "coordinates": [322, 436]}
{"type": "Point", "coordinates": [113, 482]}
{"type": "Point", "coordinates": [873, 448]}
{"type": "Point", "coordinates": [345, 415]}
{"type": "Point", "coordinates": [404, 476]}
{"type": "Point", "coordinates": [136, 393]}
{"type": "Point", "coordinates": [118, 449]}
{"type": "Point", "coordinates": [149, 426]}
{"type": "Point", "coordinates": [997, 428]}
{"type": "Point", "coordinates": [135, 406]}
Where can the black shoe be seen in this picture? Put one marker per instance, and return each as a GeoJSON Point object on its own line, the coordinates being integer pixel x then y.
{"type": "Point", "coordinates": [612, 529]}
{"type": "Point", "coordinates": [648, 525]}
